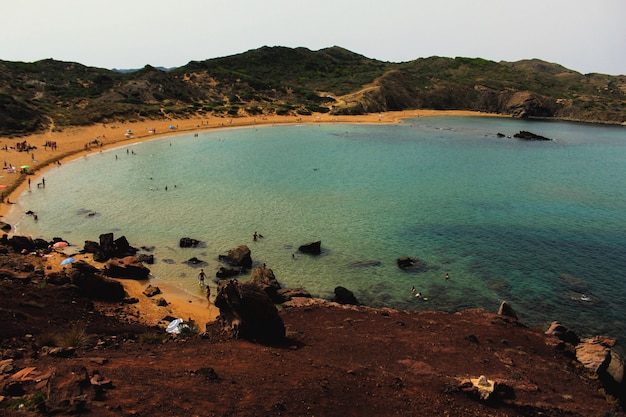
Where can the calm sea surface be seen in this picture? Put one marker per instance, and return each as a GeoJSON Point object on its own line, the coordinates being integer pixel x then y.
{"type": "Point", "coordinates": [539, 224]}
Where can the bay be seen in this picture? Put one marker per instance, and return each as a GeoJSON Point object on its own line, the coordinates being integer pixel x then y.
{"type": "Point", "coordinates": [538, 224]}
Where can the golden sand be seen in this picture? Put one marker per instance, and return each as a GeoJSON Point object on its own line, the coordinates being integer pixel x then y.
{"type": "Point", "coordinates": [73, 142]}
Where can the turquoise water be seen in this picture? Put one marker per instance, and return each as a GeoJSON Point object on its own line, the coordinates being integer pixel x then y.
{"type": "Point", "coordinates": [505, 218]}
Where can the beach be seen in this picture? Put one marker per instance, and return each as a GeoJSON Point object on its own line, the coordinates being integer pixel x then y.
{"type": "Point", "coordinates": [75, 142]}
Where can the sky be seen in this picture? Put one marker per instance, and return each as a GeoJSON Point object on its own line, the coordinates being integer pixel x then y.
{"type": "Point", "coordinates": [585, 36]}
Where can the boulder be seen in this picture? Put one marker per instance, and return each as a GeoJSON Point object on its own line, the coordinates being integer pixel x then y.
{"type": "Point", "coordinates": [563, 333]}
{"type": "Point", "coordinates": [345, 296]}
{"type": "Point", "coordinates": [146, 258]}
{"type": "Point", "coordinates": [410, 264]}
{"type": "Point", "coordinates": [6, 227]}
{"type": "Point", "coordinates": [264, 278]}
{"type": "Point", "coordinates": [151, 291]}
{"type": "Point", "coordinates": [247, 312]}
{"type": "Point", "coordinates": [238, 257]}
{"type": "Point", "coordinates": [225, 272]}
{"type": "Point", "coordinates": [525, 135]}
{"type": "Point", "coordinates": [187, 242]}
{"type": "Point", "coordinates": [596, 356]}
{"type": "Point", "coordinates": [91, 284]}
{"type": "Point", "coordinates": [127, 267]}
{"type": "Point", "coordinates": [506, 310]}
{"type": "Point", "coordinates": [313, 248]}
{"type": "Point", "coordinates": [22, 243]}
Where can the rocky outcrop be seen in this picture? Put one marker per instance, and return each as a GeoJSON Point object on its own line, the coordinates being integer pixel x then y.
{"type": "Point", "coordinates": [264, 278]}
{"type": "Point", "coordinates": [345, 296]}
{"type": "Point", "coordinates": [224, 272]}
{"type": "Point", "coordinates": [187, 242]}
{"type": "Point", "coordinates": [108, 248]}
{"type": "Point", "coordinates": [238, 257]}
{"type": "Point", "coordinates": [525, 135]}
{"type": "Point", "coordinates": [507, 311]}
{"type": "Point", "coordinates": [247, 312]}
{"type": "Point", "coordinates": [128, 267]}
{"type": "Point", "coordinates": [92, 284]}
{"type": "Point", "coordinates": [313, 248]}
{"type": "Point", "coordinates": [558, 330]}
{"type": "Point", "coordinates": [410, 264]}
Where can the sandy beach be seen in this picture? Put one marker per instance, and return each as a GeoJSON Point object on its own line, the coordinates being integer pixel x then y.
{"type": "Point", "coordinates": [24, 169]}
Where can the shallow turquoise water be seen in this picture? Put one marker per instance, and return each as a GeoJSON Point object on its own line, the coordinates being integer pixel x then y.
{"type": "Point", "coordinates": [505, 218]}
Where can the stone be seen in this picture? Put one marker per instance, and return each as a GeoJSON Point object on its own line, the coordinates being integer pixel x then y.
{"type": "Point", "coordinates": [225, 272]}
{"type": "Point", "coordinates": [594, 356]}
{"type": "Point", "coordinates": [265, 279]}
{"type": "Point", "coordinates": [525, 135]}
{"type": "Point", "coordinates": [345, 296]}
{"type": "Point", "coordinates": [128, 267]}
{"type": "Point", "coordinates": [563, 333]}
{"type": "Point", "coordinates": [313, 248]}
{"type": "Point", "coordinates": [410, 264]}
{"type": "Point", "coordinates": [506, 310]}
{"type": "Point", "coordinates": [238, 257]}
{"type": "Point", "coordinates": [151, 291]}
{"type": "Point", "coordinates": [92, 284]}
{"type": "Point", "coordinates": [187, 242]}
{"type": "Point", "coordinates": [247, 312]}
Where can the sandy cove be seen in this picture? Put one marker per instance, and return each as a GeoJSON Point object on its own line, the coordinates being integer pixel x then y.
{"type": "Point", "coordinates": [74, 142]}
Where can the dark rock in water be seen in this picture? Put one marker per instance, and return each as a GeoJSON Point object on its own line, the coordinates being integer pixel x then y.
{"type": "Point", "coordinates": [410, 264]}
{"type": "Point", "coordinates": [506, 310]}
{"type": "Point", "coordinates": [187, 242]}
{"type": "Point", "coordinates": [364, 264]}
{"type": "Point", "coordinates": [146, 259]}
{"type": "Point", "coordinates": [264, 278]}
{"type": "Point", "coordinates": [6, 227]}
{"type": "Point", "coordinates": [224, 272]}
{"type": "Point", "coordinates": [247, 312]}
{"type": "Point", "coordinates": [169, 261]}
{"type": "Point", "coordinates": [238, 257]}
{"type": "Point", "coordinates": [196, 262]}
{"type": "Point", "coordinates": [525, 135]}
{"type": "Point", "coordinates": [500, 135]}
{"type": "Point", "coordinates": [345, 296]}
{"type": "Point", "coordinates": [313, 248]}
{"type": "Point", "coordinates": [128, 267]}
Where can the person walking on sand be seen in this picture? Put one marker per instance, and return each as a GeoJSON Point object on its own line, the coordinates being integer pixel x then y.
{"type": "Point", "coordinates": [201, 276]}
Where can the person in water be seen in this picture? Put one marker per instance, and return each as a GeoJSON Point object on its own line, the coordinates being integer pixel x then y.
{"type": "Point", "coordinates": [201, 276]}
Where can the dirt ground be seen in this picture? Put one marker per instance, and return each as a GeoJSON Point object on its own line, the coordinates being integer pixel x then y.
{"type": "Point", "coordinates": [335, 361]}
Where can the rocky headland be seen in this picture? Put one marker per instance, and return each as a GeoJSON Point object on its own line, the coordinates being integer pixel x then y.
{"type": "Point", "coordinates": [74, 339]}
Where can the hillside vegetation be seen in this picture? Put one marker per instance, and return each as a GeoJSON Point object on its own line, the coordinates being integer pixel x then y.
{"type": "Point", "coordinates": [286, 81]}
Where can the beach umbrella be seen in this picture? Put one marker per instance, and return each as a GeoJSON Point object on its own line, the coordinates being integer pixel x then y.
{"type": "Point", "coordinates": [67, 261]}
{"type": "Point", "coordinates": [174, 326]}
{"type": "Point", "coordinates": [60, 245]}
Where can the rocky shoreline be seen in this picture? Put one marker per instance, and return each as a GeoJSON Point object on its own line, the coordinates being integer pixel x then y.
{"type": "Point", "coordinates": [468, 363]}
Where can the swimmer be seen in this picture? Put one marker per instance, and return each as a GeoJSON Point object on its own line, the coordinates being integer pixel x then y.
{"type": "Point", "coordinates": [418, 295]}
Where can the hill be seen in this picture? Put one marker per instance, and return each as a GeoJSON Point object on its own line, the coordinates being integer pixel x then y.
{"type": "Point", "coordinates": [297, 81]}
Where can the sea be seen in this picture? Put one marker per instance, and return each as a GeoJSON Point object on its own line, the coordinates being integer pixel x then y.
{"type": "Point", "coordinates": [539, 224]}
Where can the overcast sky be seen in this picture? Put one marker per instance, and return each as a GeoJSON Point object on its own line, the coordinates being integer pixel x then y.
{"type": "Point", "coordinates": [586, 36]}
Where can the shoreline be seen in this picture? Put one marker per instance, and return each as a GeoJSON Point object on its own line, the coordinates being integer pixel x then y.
{"type": "Point", "coordinates": [75, 142]}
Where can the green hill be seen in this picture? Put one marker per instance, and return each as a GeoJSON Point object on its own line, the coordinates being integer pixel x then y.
{"type": "Point", "coordinates": [298, 81]}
